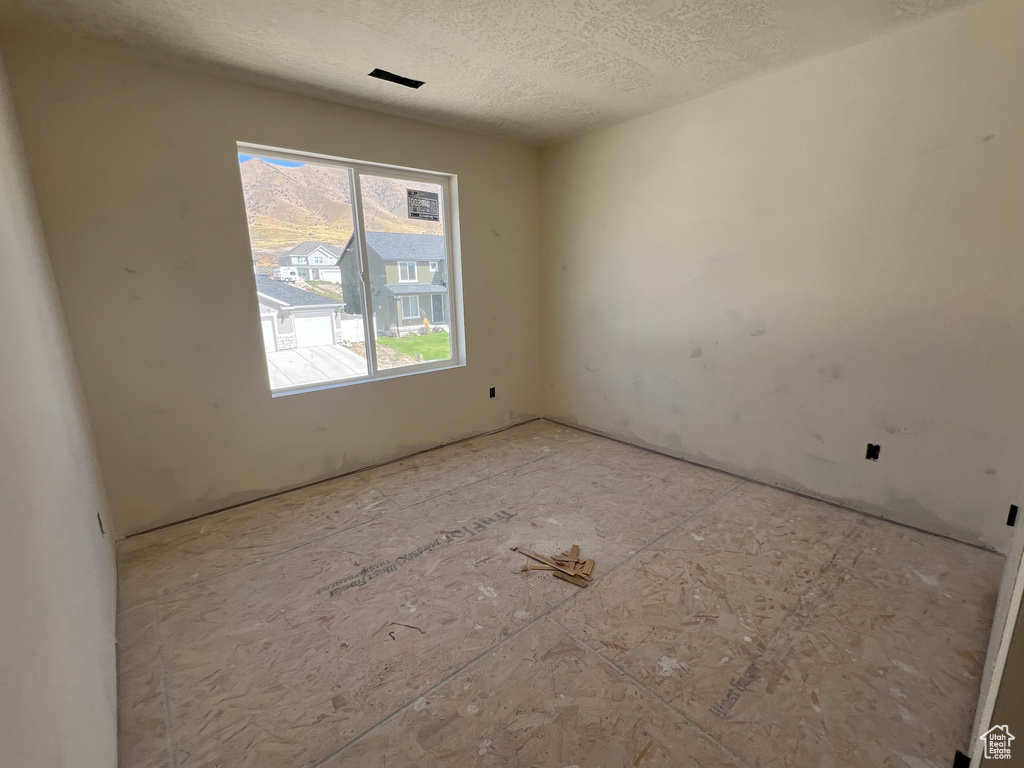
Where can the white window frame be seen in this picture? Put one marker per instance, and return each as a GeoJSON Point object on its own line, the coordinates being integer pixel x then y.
{"type": "Point", "coordinates": [433, 266]}
{"type": "Point", "coordinates": [415, 277]}
{"type": "Point", "coordinates": [453, 254]}
{"type": "Point", "coordinates": [299, 260]}
{"type": "Point", "coordinates": [416, 315]}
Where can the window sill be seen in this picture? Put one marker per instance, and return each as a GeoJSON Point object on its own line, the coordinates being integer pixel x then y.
{"type": "Point", "coordinates": [412, 370]}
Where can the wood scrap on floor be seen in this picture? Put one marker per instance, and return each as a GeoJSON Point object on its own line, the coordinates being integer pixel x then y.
{"type": "Point", "coordinates": [567, 565]}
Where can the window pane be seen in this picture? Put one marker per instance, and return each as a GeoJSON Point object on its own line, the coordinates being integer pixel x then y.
{"type": "Point", "coordinates": [301, 213]}
{"type": "Point", "coordinates": [404, 224]}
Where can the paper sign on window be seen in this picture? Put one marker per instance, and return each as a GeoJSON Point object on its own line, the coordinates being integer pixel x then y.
{"type": "Point", "coordinates": [424, 205]}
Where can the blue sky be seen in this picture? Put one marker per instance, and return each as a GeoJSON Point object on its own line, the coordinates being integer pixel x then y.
{"type": "Point", "coordinates": [274, 161]}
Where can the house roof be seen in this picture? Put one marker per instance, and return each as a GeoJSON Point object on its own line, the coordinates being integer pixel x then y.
{"type": "Point", "coordinates": [289, 295]}
{"type": "Point", "coordinates": [416, 288]}
{"type": "Point", "coordinates": [406, 246]}
{"type": "Point", "coordinates": [309, 246]}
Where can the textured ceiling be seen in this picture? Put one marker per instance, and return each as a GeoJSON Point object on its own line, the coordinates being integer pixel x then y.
{"type": "Point", "coordinates": [536, 70]}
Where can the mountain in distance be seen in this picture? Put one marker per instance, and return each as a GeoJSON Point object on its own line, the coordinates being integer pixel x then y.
{"type": "Point", "coordinates": [287, 206]}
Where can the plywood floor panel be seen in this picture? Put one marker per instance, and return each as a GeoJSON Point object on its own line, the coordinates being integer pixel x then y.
{"type": "Point", "coordinates": [540, 699]}
{"type": "Point", "coordinates": [359, 618]}
{"type": "Point", "coordinates": [792, 632]}
{"type": "Point", "coordinates": [143, 740]}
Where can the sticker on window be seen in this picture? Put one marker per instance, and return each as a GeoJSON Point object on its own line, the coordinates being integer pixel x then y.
{"type": "Point", "coordinates": [424, 205]}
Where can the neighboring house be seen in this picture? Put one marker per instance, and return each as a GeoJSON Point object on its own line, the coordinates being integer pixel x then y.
{"type": "Point", "coordinates": [292, 317]}
{"type": "Point", "coordinates": [310, 261]}
{"type": "Point", "coordinates": [408, 279]}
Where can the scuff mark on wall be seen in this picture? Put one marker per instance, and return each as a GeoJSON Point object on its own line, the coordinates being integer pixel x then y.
{"type": "Point", "coordinates": [830, 373]}
{"type": "Point", "coordinates": [897, 429]}
{"type": "Point", "coordinates": [822, 459]}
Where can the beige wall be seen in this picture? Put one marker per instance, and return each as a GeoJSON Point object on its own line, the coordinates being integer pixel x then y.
{"type": "Point", "coordinates": [138, 188]}
{"type": "Point", "coordinates": [768, 278]}
{"type": "Point", "coordinates": [57, 587]}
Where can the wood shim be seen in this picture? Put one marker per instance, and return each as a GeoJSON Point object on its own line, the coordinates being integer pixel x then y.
{"type": "Point", "coordinates": [577, 580]}
{"type": "Point", "coordinates": [566, 566]}
{"type": "Point", "coordinates": [546, 560]}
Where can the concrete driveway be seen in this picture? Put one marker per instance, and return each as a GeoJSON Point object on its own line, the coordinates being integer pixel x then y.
{"type": "Point", "coordinates": [313, 365]}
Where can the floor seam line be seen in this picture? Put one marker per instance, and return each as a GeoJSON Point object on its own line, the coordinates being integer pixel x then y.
{"type": "Point", "coordinates": [540, 617]}
{"type": "Point", "coordinates": [339, 476]}
{"type": "Point", "coordinates": [452, 675]}
{"type": "Point", "coordinates": [739, 758]}
{"type": "Point", "coordinates": [467, 485]}
{"type": "Point", "coordinates": [350, 529]}
{"type": "Point", "coordinates": [819, 580]}
{"type": "Point", "coordinates": [169, 720]}
{"type": "Point", "coordinates": [807, 493]}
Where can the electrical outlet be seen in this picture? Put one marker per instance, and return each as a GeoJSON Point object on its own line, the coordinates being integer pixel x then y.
{"type": "Point", "coordinates": [873, 451]}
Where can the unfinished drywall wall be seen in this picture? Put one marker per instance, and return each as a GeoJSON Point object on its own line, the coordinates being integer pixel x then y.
{"type": "Point", "coordinates": [57, 585]}
{"type": "Point", "coordinates": [771, 277]}
{"type": "Point", "coordinates": [137, 180]}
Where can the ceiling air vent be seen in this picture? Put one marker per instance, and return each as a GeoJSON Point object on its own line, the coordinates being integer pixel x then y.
{"type": "Point", "coordinates": [391, 77]}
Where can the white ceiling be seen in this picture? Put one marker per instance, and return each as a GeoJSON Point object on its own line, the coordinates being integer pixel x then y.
{"type": "Point", "coordinates": [536, 70]}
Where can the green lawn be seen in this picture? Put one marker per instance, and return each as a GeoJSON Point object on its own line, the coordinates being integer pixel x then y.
{"type": "Point", "coordinates": [433, 346]}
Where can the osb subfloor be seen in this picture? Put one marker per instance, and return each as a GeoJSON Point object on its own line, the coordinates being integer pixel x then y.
{"type": "Point", "coordinates": [381, 620]}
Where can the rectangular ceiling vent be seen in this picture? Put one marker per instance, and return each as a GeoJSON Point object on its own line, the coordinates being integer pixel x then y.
{"type": "Point", "coordinates": [391, 77]}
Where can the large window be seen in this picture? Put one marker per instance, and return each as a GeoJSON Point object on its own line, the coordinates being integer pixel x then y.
{"type": "Point", "coordinates": [366, 312]}
{"type": "Point", "coordinates": [410, 307]}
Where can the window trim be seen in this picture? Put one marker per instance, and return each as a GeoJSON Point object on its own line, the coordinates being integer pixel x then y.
{"type": "Point", "coordinates": [415, 274]}
{"type": "Point", "coordinates": [450, 220]}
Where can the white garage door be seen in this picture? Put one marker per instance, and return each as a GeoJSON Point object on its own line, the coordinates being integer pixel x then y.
{"type": "Point", "coordinates": [313, 331]}
{"type": "Point", "coordinates": [269, 344]}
